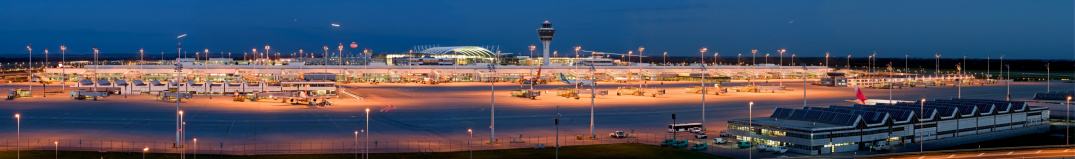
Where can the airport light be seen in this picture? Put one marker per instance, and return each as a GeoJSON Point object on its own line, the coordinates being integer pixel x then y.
{"type": "Point", "coordinates": [754, 57]}
{"type": "Point", "coordinates": [44, 87]}
{"type": "Point", "coordinates": [781, 66]}
{"type": "Point", "coordinates": [492, 100]}
{"type": "Point", "coordinates": [750, 127]}
{"type": "Point", "coordinates": [826, 59]}
{"type": "Point", "coordinates": [468, 143]}
{"type": "Point", "coordinates": [30, 71]}
{"type": "Point", "coordinates": [703, 87]}
{"type": "Point", "coordinates": [849, 62]}
{"type": "Point", "coordinates": [356, 144]}
{"type": "Point", "coordinates": [1048, 76]}
{"type": "Point", "coordinates": [921, 110]}
{"type": "Point", "coordinates": [938, 65]}
{"type": "Point", "coordinates": [593, 95]}
{"type": "Point", "coordinates": [1067, 130]}
{"type": "Point", "coordinates": [18, 136]}
{"type": "Point", "coordinates": [366, 146]}
{"type": "Point", "coordinates": [63, 70]}
{"type": "Point", "coordinates": [767, 58]}
{"type": "Point", "coordinates": [95, 66]}
{"type": "Point", "coordinates": [195, 148]}
{"type": "Point", "coordinates": [144, 150]}
{"type": "Point", "coordinates": [640, 49]}
{"type": "Point", "coordinates": [57, 148]}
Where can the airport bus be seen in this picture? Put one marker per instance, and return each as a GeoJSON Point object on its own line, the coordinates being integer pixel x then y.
{"type": "Point", "coordinates": [683, 127]}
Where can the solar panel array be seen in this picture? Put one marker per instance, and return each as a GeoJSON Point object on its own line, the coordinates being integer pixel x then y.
{"type": "Point", "coordinates": [817, 116]}
{"type": "Point", "coordinates": [1057, 95]}
{"type": "Point", "coordinates": [898, 112]}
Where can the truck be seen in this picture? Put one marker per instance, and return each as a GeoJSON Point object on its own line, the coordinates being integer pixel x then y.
{"type": "Point", "coordinates": [525, 93]}
{"type": "Point", "coordinates": [82, 94]}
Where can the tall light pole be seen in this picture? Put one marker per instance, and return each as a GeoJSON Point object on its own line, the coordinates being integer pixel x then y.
{"type": "Point", "coordinates": [906, 67]}
{"type": "Point", "coordinates": [754, 57]}
{"type": "Point", "coordinates": [703, 85]}
{"type": "Point", "coordinates": [144, 150]}
{"type": "Point", "coordinates": [18, 136]}
{"type": "Point", "coordinates": [1067, 129]}
{"type": "Point", "coordinates": [44, 87]}
{"type": "Point", "coordinates": [848, 61]}
{"type": "Point", "coordinates": [1009, 82]}
{"type": "Point", "coordinates": [356, 144]}
{"type": "Point", "coordinates": [826, 59]}
{"type": "Point", "coordinates": [750, 127]}
{"type": "Point", "coordinates": [781, 66]}
{"type": "Point", "coordinates": [959, 71]}
{"type": "Point", "coordinates": [592, 96]}
{"type": "Point", "coordinates": [471, 149]}
{"type": "Point", "coordinates": [195, 148]}
{"type": "Point", "coordinates": [577, 48]}
{"type": "Point", "coordinates": [1048, 75]}
{"type": "Point", "coordinates": [95, 66]}
{"type": "Point", "coordinates": [366, 146]}
{"type": "Point", "coordinates": [492, 101]}
{"type": "Point", "coordinates": [63, 76]}
{"type": "Point", "coordinates": [57, 148]}
{"type": "Point", "coordinates": [921, 108]}
{"type": "Point", "coordinates": [640, 49]}
{"type": "Point", "coordinates": [665, 58]}
{"type": "Point", "coordinates": [30, 72]}
{"type": "Point", "coordinates": [938, 65]}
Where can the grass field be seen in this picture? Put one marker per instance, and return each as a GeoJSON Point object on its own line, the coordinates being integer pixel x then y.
{"type": "Point", "coordinates": [587, 151]}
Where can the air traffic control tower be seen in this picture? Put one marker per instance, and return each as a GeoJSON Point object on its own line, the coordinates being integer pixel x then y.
{"type": "Point", "coordinates": [545, 33]}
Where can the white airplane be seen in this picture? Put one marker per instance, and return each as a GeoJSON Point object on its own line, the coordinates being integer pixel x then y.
{"type": "Point", "coordinates": [576, 82]}
{"type": "Point", "coordinates": [861, 99]}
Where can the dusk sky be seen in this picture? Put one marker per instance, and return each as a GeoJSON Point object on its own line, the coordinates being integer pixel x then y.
{"type": "Point", "coordinates": [1039, 29]}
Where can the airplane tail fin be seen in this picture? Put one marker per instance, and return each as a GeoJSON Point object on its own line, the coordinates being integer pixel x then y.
{"type": "Point", "coordinates": [859, 95]}
{"type": "Point", "coordinates": [562, 78]}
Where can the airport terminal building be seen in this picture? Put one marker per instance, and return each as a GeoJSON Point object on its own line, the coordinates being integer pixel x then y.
{"type": "Point", "coordinates": [822, 130]}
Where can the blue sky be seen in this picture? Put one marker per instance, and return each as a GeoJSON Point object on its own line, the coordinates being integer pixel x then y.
{"type": "Point", "coordinates": [1040, 29]}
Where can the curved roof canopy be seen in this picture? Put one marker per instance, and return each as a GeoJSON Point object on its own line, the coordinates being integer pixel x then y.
{"type": "Point", "coordinates": [461, 50]}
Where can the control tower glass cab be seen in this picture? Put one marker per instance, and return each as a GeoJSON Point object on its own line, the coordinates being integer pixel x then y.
{"type": "Point", "coordinates": [545, 33]}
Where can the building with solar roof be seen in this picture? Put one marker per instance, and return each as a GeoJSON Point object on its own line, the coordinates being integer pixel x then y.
{"type": "Point", "coordinates": [446, 55]}
{"type": "Point", "coordinates": [822, 130]}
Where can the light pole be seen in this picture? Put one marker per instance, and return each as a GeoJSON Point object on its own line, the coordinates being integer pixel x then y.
{"type": "Point", "coordinates": [906, 67]}
{"type": "Point", "coordinates": [556, 123]}
{"type": "Point", "coordinates": [63, 76]}
{"type": "Point", "coordinates": [640, 49]}
{"type": "Point", "coordinates": [665, 58]}
{"type": "Point", "coordinates": [18, 136]}
{"type": "Point", "coordinates": [492, 100]}
{"type": "Point", "coordinates": [30, 72]}
{"type": "Point", "coordinates": [195, 148]}
{"type": "Point", "coordinates": [144, 150]}
{"type": "Point", "coordinates": [750, 127]}
{"type": "Point", "coordinates": [57, 148]}
{"type": "Point", "coordinates": [921, 108]}
{"type": "Point", "coordinates": [703, 86]}
{"type": "Point", "coordinates": [781, 66]}
{"type": "Point", "coordinates": [577, 48]}
{"type": "Point", "coordinates": [471, 132]}
{"type": "Point", "coordinates": [754, 57]}
{"type": "Point", "coordinates": [356, 144]}
{"type": "Point", "coordinates": [592, 96]}
{"type": "Point", "coordinates": [959, 71]}
{"type": "Point", "coordinates": [367, 144]}
{"type": "Point", "coordinates": [1048, 75]}
{"type": "Point", "coordinates": [44, 87]}
{"type": "Point", "coordinates": [938, 65]}
{"type": "Point", "coordinates": [849, 62]}
{"type": "Point", "coordinates": [1009, 82]}
{"type": "Point", "coordinates": [1067, 129]}
{"type": "Point", "coordinates": [826, 59]}
{"type": "Point", "coordinates": [95, 66]}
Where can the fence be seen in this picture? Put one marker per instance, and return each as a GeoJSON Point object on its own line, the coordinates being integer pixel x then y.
{"type": "Point", "coordinates": [343, 145]}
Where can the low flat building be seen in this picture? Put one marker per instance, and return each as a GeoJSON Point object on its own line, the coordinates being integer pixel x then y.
{"type": "Point", "coordinates": [822, 130]}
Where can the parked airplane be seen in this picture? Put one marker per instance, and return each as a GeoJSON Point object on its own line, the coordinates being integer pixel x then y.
{"type": "Point", "coordinates": [576, 82]}
{"type": "Point", "coordinates": [861, 99]}
{"type": "Point", "coordinates": [296, 97]}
